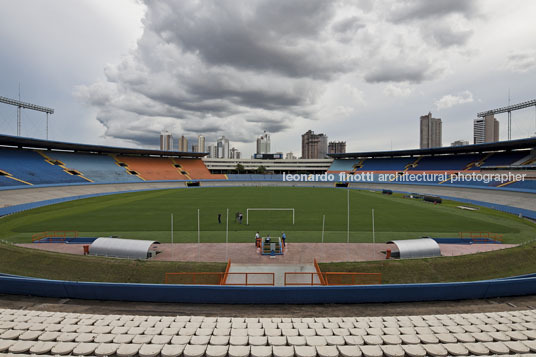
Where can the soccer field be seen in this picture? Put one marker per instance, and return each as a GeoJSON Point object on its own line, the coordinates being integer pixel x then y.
{"type": "Point", "coordinates": [147, 215]}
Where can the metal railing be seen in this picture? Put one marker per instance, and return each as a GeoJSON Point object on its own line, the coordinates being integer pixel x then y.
{"type": "Point", "coordinates": [220, 278]}
{"type": "Point", "coordinates": [481, 236]}
{"type": "Point", "coordinates": [302, 278]}
{"type": "Point", "coordinates": [61, 235]}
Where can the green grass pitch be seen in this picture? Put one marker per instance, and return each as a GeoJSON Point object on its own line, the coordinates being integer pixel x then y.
{"type": "Point", "coordinates": [146, 215]}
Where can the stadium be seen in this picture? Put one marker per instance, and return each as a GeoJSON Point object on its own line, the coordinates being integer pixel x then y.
{"type": "Point", "coordinates": [345, 242]}
{"type": "Point", "coordinates": [244, 231]}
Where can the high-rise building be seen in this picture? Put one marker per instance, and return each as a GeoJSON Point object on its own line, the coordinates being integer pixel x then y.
{"type": "Point", "coordinates": [183, 144]}
{"type": "Point", "coordinates": [235, 154]}
{"type": "Point", "coordinates": [430, 132]}
{"type": "Point", "coordinates": [290, 156]}
{"type": "Point", "coordinates": [195, 148]}
{"type": "Point", "coordinates": [337, 147]}
{"type": "Point", "coordinates": [486, 130]}
{"type": "Point", "coordinates": [201, 143]}
{"type": "Point", "coordinates": [460, 143]}
{"type": "Point", "coordinates": [263, 143]}
{"type": "Point", "coordinates": [212, 152]}
{"type": "Point", "coordinates": [222, 146]}
{"type": "Point", "coordinates": [166, 141]}
{"type": "Point", "coordinates": [314, 146]}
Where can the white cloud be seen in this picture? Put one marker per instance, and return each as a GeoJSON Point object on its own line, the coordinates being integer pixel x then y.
{"type": "Point", "coordinates": [522, 61]}
{"type": "Point", "coordinates": [450, 100]}
{"type": "Point", "coordinates": [397, 90]}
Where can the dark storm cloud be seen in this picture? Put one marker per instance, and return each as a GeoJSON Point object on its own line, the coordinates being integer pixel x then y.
{"type": "Point", "coordinates": [425, 9]}
{"type": "Point", "coordinates": [348, 25]}
{"type": "Point", "coordinates": [447, 36]}
{"type": "Point", "coordinates": [210, 66]}
{"type": "Point", "coordinates": [227, 67]}
{"type": "Point", "coordinates": [279, 36]}
{"type": "Point", "coordinates": [400, 72]}
{"type": "Point", "coordinates": [522, 61]}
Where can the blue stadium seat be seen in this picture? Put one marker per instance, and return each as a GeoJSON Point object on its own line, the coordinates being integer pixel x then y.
{"type": "Point", "coordinates": [342, 165]}
{"type": "Point", "coordinates": [446, 162]}
{"type": "Point", "coordinates": [98, 168]}
{"type": "Point", "coordinates": [504, 158]}
{"type": "Point", "coordinates": [387, 164]}
{"type": "Point", "coordinates": [4, 182]}
{"type": "Point", "coordinates": [29, 166]}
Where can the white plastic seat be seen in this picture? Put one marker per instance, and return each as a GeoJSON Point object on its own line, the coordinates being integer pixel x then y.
{"type": "Point", "coordinates": [497, 347]}
{"type": "Point", "coordinates": [42, 347]}
{"type": "Point", "coordinates": [304, 351]}
{"type": "Point", "coordinates": [327, 351]}
{"type": "Point", "coordinates": [85, 349]}
{"type": "Point", "coordinates": [128, 349]}
{"type": "Point", "coordinates": [371, 351]}
{"type": "Point", "coordinates": [414, 350]}
{"type": "Point", "coordinates": [261, 351]}
{"type": "Point", "coordinates": [282, 351]}
{"type": "Point", "coordinates": [296, 340]}
{"type": "Point", "coordinates": [238, 340]}
{"type": "Point", "coordinates": [172, 350]}
{"type": "Point", "coordinates": [216, 351]}
{"type": "Point", "coordinates": [392, 350]}
{"type": "Point", "coordinates": [150, 350]}
{"type": "Point", "coordinates": [349, 351]}
{"type": "Point", "coordinates": [194, 350]}
{"type": "Point", "coordinates": [517, 347]}
{"type": "Point", "coordinates": [239, 351]}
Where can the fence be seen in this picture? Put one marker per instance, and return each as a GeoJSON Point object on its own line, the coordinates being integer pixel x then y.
{"type": "Point", "coordinates": [302, 278]}
{"type": "Point", "coordinates": [221, 278]}
{"type": "Point", "coordinates": [60, 235]}
{"type": "Point", "coordinates": [331, 278]}
{"type": "Point", "coordinates": [481, 236]}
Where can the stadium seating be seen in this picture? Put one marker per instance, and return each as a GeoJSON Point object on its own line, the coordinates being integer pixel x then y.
{"type": "Point", "coordinates": [153, 168]}
{"type": "Point", "coordinates": [98, 168]}
{"type": "Point", "coordinates": [504, 158]}
{"type": "Point", "coordinates": [446, 162]}
{"type": "Point", "coordinates": [31, 167]}
{"type": "Point", "coordinates": [527, 184]}
{"type": "Point", "coordinates": [342, 165]}
{"type": "Point", "coordinates": [386, 164]}
{"type": "Point", "coordinates": [60, 333]}
{"type": "Point", "coordinates": [196, 169]}
{"type": "Point", "coordinates": [5, 181]}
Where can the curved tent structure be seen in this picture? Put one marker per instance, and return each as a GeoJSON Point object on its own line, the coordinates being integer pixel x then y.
{"type": "Point", "coordinates": [122, 248]}
{"type": "Point", "coordinates": [417, 248]}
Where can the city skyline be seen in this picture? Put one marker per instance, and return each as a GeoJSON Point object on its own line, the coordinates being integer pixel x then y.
{"type": "Point", "coordinates": [361, 72]}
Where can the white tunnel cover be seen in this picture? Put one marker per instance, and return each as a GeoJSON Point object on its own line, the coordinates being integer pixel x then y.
{"type": "Point", "coordinates": [417, 248]}
{"type": "Point", "coordinates": [121, 248]}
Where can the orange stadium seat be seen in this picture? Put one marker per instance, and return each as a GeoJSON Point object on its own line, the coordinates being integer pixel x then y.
{"type": "Point", "coordinates": [197, 170]}
{"type": "Point", "coordinates": [153, 168]}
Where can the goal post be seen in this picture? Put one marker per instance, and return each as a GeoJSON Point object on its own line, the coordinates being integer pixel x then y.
{"type": "Point", "coordinates": [269, 209]}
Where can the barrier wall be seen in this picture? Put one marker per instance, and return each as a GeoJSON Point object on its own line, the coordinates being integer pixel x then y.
{"type": "Point", "coordinates": [202, 294]}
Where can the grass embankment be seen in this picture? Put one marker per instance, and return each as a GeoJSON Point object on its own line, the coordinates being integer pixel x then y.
{"type": "Point", "coordinates": [146, 215]}
{"type": "Point", "coordinates": [48, 265]}
{"type": "Point", "coordinates": [41, 264]}
{"type": "Point", "coordinates": [497, 264]}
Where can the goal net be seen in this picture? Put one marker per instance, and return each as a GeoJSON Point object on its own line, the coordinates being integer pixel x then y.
{"type": "Point", "coordinates": [269, 209]}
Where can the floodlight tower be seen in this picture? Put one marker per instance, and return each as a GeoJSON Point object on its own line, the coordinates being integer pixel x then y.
{"type": "Point", "coordinates": [508, 109]}
{"type": "Point", "coordinates": [20, 105]}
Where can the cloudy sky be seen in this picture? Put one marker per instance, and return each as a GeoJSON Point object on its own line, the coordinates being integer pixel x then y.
{"type": "Point", "coordinates": [119, 72]}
